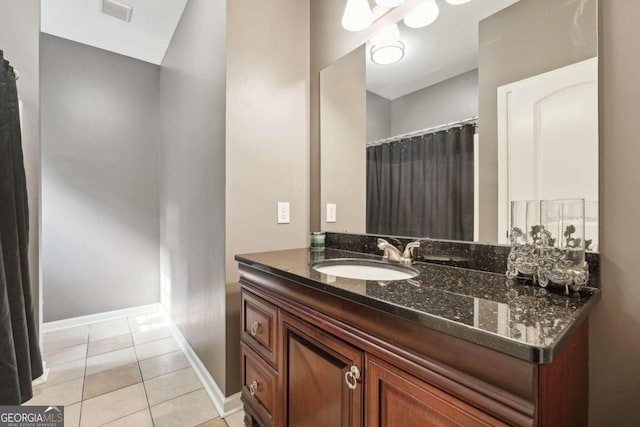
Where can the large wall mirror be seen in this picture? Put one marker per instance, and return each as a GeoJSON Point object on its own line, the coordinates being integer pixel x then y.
{"type": "Point", "coordinates": [433, 131]}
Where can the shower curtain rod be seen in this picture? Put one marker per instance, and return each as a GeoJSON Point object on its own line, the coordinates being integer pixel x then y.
{"type": "Point", "coordinates": [422, 131]}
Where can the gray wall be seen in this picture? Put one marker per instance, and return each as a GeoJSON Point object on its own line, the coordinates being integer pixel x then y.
{"type": "Point", "coordinates": [378, 117]}
{"type": "Point", "coordinates": [343, 108]}
{"type": "Point", "coordinates": [100, 165]}
{"type": "Point", "coordinates": [19, 39]}
{"type": "Point", "coordinates": [267, 145]}
{"type": "Point", "coordinates": [192, 88]}
{"type": "Point", "coordinates": [526, 39]}
{"type": "Point", "coordinates": [445, 102]}
{"type": "Point", "coordinates": [615, 323]}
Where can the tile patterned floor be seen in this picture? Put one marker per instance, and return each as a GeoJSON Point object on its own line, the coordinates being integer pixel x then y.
{"type": "Point", "coordinates": [125, 372]}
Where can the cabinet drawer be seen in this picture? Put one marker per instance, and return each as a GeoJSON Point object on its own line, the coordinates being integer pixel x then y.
{"type": "Point", "coordinates": [259, 326]}
{"type": "Point", "coordinates": [398, 399]}
{"type": "Point", "coordinates": [259, 385]}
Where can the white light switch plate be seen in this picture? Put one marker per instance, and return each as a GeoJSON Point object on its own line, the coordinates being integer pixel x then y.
{"type": "Point", "coordinates": [283, 212]}
{"type": "Point", "coordinates": [331, 212]}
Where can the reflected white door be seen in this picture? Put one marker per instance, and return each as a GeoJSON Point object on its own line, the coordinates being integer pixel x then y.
{"type": "Point", "coordinates": [548, 140]}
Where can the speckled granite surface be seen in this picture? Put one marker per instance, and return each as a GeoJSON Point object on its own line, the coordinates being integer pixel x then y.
{"type": "Point", "coordinates": [475, 256]}
{"type": "Point", "coordinates": [526, 322]}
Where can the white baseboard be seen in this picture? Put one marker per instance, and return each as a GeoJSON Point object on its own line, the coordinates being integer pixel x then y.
{"type": "Point", "coordinates": [100, 317]}
{"type": "Point", "coordinates": [224, 405]}
{"type": "Point", "coordinates": [42, 378]}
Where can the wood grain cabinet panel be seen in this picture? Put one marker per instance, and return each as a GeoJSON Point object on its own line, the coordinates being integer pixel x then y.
{"type": "Point", "coordinates": [315, 366]}
{"type": "Point", "coordinates": [397, 399]}
{"type": "Point", "coordinates": [259, 326]}
{"type": "Point", "coordinates": [259, 386]}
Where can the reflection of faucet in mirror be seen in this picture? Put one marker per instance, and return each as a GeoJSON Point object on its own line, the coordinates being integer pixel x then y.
{"type": "Point", "coordinates": [391, 253]}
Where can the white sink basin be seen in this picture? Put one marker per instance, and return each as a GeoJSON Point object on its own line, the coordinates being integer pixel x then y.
{"type": "Point", "coordinates": [363, 269]}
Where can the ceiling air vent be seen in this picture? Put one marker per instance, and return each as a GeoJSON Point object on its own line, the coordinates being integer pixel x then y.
{"type": "Point", "coordinates": [117, 10]}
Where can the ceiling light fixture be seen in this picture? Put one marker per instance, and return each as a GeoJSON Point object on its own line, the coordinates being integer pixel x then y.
{"type": "Point", "coordinates": [386, 47]}
{"type": "Point", "coordinates": [389, 3]}
{"type": "Point", "coordinates": [424, 14]}
{"type": "Point", "coordinates": [117, 10]}
{"type": "Point", "coordinates": [357, 15]}
{"type": "Point", "coordinates": [457, 2]}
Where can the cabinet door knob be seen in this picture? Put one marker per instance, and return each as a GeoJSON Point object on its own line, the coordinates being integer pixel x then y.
{"type": "Point", "coordinates": [255, 327]}
{"type": "Point", "coordinates": [351, 377]}
{"type": "Point", "coordinates": [253, 387]}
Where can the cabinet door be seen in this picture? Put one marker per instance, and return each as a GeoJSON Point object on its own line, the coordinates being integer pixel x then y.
{"type": "Point", "coordinates": [398, 399]}
{"type": "Point", "coordinates": [322, 378]}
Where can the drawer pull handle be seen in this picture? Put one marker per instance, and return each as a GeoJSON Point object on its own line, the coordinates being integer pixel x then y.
{"type": "Point", "coordinates": [255, 327]}
{"type": "Point", "coordinates": [253, 387]}
{"type": "Point", "coordinates": [351, 377]}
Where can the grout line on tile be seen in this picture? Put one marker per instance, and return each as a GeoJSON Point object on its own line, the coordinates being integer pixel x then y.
{"type": "Point", "coordinates": [180, 395]}
{"type": "Point", "coordinates": [66, 346]}
{"type": "Point", "coordinates": [125, 416]}
{"type": "Point", "coordinates": [168, 372]}
{"type": "Point", "coordinates": [144, 387]}
{"type": "Point", "coordinates": [148, 342]}
{"type": "Point", "coordinates": [84, 378]}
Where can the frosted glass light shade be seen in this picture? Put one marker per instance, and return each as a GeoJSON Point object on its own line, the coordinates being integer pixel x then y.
{"type": "Point", "coordinates": [357, 15]}
{"type": "Point", "coordinates": [389, 3]}
{"type": "Point", "coordinates": [386, 47]}
{"type": "Point", "coordinates": [387, 54]}
{"type": "Point", "coordinates": [425, 14]}
{"type": "Point", "coordinates": [457, 2]}
{"type": "Point", "coordinates": [386, 35]}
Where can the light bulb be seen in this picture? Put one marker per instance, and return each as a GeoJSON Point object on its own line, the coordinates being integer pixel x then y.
{"type": "Point", "coordinates": [389, 3]}
{"type": "Point", "coordinates": [357, 15]}
{"type": "Point", "coordinates": [457, 2]}
{"type": "Point", "coordinates": [425, 14]}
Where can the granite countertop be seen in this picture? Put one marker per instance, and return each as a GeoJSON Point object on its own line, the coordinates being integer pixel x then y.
{"type": "Point", "coordinates": [523, 321]}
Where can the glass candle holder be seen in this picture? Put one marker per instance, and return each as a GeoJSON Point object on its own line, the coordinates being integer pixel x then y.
{"type": "Point", "coordinates": [562, 247]}
{"type": "Point", "coordinates": [591, 226]}
{"type": "Point", "coordinates": [524, 237]}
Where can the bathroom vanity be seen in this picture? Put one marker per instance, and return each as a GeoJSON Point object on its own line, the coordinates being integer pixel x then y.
{"type": "Point", "coordinates": [451, 346]}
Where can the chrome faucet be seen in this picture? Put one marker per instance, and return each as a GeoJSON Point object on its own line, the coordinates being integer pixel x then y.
{"type": "Point", "coordinates": [391, 253]}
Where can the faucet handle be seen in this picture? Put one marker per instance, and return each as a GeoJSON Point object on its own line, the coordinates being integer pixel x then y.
{"type": "Point", "coordinates": [381, 242]}
{"type": "Point", "coordinates": [408, 250]}
{"type": "Point", "coordinates": [383, 245]}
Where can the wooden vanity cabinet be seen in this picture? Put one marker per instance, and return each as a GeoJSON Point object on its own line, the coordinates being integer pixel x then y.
{"type": "Point", "coordinates": [316, 360]}
{"type": "Point", "coordinates": [315, 370]}
{"type": "Point", "coordinates": [396, 398]}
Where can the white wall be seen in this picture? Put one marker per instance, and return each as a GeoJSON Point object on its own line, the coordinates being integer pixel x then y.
{"type": "Point", "coordinates": [100, 161]}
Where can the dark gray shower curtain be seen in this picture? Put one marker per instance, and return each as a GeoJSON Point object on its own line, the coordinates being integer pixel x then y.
{"type": "Point", "coordinates": [422, 186]}
{"type": "Point", "coordinates": [20, 360]}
